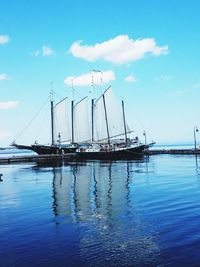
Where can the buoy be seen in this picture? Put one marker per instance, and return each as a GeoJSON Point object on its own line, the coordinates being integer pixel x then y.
{"type": "Point", "coordinates": [1, 180]}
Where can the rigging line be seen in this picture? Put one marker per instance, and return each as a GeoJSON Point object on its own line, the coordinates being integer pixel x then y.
{"type": "Point", "coordinates": [31, 120]}
{"type": "Point", "coordinates": [77, 92]}
{"type": "Point", "coordinates": [60, 96]}
{"type": "Point", "coordinates": [115, 136]}
{"type": "Point", "coordinates": [42, 122]}
{"type": "Point", "coordinates": [80, 101]}
{"type": "Point", "coordinates": [103, 93]}
{"type": "Point", "coordinates": [60, 101]}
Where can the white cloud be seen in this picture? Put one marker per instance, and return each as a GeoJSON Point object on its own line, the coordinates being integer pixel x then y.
{"type": "Point", "coordinates": [88, 78]}
{"type": "Point", "coordinates": [4, 77]}
{"type": "Point", "coordinates": [9, 104]}
{"type": "Point", "coordinates": [45, 51]}
{"type": "Point", "coordinates": [130, 79]}
{"type": "Point", "coordinates": [4, 39]}
{"type": "Point", "coordinates": [120, 49]}
{"type": "Point", "coordinates": [163, 77]}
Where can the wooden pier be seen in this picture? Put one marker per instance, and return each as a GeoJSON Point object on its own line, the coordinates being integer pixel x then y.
{"type": "Point", "coordinates": [173, 151]}
{"type": "Point", "coordinates": [71, 156]}
{"type": "Point", "coordinates": [37, 158]}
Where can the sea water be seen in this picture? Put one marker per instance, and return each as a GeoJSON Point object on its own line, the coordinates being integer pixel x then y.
{"type": "Point", "coordinates": [101, 213]}
{"type": "Point", "coordinates": [7, 152]}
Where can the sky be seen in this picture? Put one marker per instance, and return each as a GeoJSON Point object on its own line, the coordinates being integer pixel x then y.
{"type": "Point", "coordinates": [147, 50]}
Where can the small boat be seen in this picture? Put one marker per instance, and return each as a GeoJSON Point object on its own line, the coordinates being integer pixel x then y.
{"type": "Point", "coordinates": [102, 133]}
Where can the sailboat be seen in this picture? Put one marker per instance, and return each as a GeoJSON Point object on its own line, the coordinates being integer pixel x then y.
{"type": "Point", "coordinates": [104, 134]}
{"type": "Point", "coordinates": [110, 132]}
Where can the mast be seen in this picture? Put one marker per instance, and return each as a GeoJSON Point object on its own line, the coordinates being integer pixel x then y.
{"type": "Point", "coordinates": [92, 120]}
{"type": "Point", "coordinates": [72, 114]}
{"type": "Point", "coordinates": [107, 128]}
{"type": "Point", "coordinates": [124, 119]}
{"type": "Point", "coordinates": [52, 124]}
{"type": "Point", "coordinates": [52, 115]}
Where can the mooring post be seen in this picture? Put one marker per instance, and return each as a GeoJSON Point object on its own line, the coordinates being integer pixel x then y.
{"type": "Point", "coordinates": [195, 140]}
{"type": "Point", "coordinates": [1, 180]}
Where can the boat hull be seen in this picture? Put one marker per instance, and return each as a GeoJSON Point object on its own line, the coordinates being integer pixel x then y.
{"type": "Point", "coordinates": [42, 150]}
{"type": "Point", "coordinates": [48, 150]}
{"type": "Point", "coordinates": [128, 153]}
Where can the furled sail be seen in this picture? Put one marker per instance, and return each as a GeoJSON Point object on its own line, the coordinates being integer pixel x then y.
{"type": "Point", "coordinates": [61, 121]}
{"type": "Point", "coordinates": [82, 131]}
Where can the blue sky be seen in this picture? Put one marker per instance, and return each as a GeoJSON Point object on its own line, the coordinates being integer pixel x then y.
{"type": "Point", "coordinates": [148, 50]}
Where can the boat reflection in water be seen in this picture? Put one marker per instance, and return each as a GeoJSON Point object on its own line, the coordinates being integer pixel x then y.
{"type": "Point", "coordinates": [97, 197]}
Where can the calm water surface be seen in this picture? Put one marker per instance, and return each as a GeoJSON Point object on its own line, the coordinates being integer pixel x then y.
{"type": "Point", "coordinates": [122, 213]}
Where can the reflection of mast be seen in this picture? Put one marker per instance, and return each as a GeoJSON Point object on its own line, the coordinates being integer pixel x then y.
{"type": "Point", "coordinates": [110, 190]}
{"type": "Point", "coordinates": [95, 189]}
{"type": "Point", "coordinates": [197, 164]}
{"type": "Point", "coordinates": [62, 182]}
{"type": "Point", "coordinates": [74, 195]}
{"type": "Point", "coordinates": [72, 190]}
{"type": "Point", "coordinates": [101, 188]}
{"type": "Point", "coordinates": [147, 163]}
{"type": "Point", "coordinates": [127, 185]}
{"type": "Point", "coordinates": [82, 187]}
{"type": "Point", "coordinates": [54, 195]}
{"type": "Point", "coordinates": [107, 224]}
